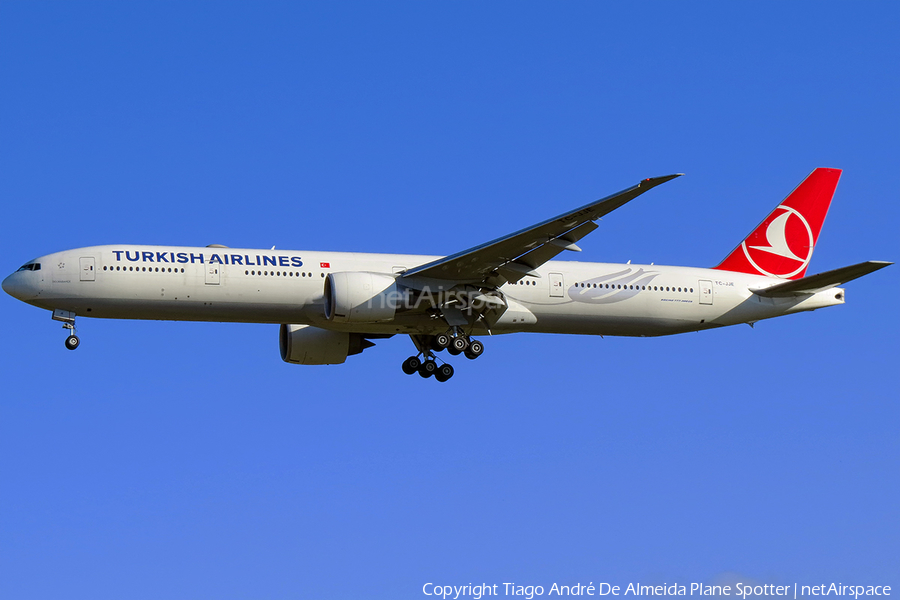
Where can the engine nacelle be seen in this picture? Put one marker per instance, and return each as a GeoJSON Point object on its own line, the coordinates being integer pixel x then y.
{"type": "Point", "coordinates": [307, 345]}
{"type": "Point", "coordinates": [360, 297]}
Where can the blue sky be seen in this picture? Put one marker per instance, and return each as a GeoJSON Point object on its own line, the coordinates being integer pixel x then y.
{"type": "Point", "coordinates": [185, 460]}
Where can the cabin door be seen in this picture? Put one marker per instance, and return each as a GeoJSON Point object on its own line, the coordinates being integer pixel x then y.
{"type": "Point", "coordinates": [556, 285]}
{"type": "Point", "coordinates": [86, 264]}
{"type": "Point", "coordinates": [213, 274]}
{"type": "Point", "coordinates": [706, 293]}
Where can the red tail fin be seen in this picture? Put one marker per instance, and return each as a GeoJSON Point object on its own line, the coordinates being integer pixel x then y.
{"type": "Point", "coordinates": [782, 245]}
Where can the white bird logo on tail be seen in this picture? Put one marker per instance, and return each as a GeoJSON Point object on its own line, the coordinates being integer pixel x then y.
{"type": "Point", "coordinates": [776, 235]}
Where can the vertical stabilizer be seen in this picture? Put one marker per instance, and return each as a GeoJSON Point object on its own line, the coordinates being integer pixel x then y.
{"type": "Point", "coordinates": [782, 245]}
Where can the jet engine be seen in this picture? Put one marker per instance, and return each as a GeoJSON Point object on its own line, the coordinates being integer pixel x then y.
{"type": "Point", "coordinates": [307, 345]}
{"type": "Point", "coordinates": [360, 297]}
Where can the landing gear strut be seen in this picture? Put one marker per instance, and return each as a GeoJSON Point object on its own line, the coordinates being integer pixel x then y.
{"type": "Point", "coordinates": [68, 320]}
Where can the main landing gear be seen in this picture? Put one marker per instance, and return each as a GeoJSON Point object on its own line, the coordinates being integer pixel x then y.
{"type": "Point", "coordinates": [427, 367]}
{"type": "Point", "coordinates": [68, 321]}
{"type": "Point", "coordinates": [425, 362]}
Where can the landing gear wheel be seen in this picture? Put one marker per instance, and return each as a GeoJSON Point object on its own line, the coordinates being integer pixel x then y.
{"type": "Point", "coordinates": [428, 368]}
{"type": "Point", "coordinates": [444, 373]}
{"type": "Point", "coordinates": [72, 342]}
{"type": "Point", "coordinates": [440, 341]}
{"type": "Point", "coordinates": [411, 365]}
{"type": "Point", "coordinates": [459, 344]}
{"type": "Point", "coordinates": [474, 350]}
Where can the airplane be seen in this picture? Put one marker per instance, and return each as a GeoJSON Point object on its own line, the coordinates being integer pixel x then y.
{"type": "Point", "coordinates": [331, 305]}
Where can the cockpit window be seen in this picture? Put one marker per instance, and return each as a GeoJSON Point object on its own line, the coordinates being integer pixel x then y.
{"type": "Point", "coordinates": [30, 267]}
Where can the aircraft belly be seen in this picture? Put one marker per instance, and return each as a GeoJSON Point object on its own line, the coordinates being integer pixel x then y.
{"type": "Point", "coordinates": [614, 325]}
{"type": "Point", "coordinates": [184, 310]}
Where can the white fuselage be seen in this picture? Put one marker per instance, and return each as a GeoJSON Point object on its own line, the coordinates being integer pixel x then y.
{"type": "Point", "coordinates": [282, 286]}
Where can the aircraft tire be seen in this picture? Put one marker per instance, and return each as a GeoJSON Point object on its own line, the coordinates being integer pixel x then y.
{"type": "Point", "coordinates": [411, 365]}
{"type": "Point", "coordinates": [72, 342]}
{"type": "Point", "coordinates": [459, 344]}
{"type": "Point", "coordinates": [474, 350]}
{"type": "Point", "coordinates": [440, 341]}
{"type": "Point", "coordinates": [444, 372]}
{"type": "Point", "coordinates": [428, 368]}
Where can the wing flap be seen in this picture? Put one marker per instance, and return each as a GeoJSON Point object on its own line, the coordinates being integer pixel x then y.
{"type": "Point", "coordinates": [822, 281]}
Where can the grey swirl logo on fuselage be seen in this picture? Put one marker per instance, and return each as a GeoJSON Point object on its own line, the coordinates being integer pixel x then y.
{"type": "Point", "coordinates": [612, 287]}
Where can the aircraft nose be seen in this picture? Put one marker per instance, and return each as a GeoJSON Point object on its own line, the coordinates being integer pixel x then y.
{"type": "Point", "coordinates": [15, 287]}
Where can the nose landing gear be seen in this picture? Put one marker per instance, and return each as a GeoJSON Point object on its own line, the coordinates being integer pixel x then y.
{"type": "Point", "coordinates": [68, 320]}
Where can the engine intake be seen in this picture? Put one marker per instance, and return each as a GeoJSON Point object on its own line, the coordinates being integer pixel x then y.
{"type": "Point", "coordinates": [360, 297]}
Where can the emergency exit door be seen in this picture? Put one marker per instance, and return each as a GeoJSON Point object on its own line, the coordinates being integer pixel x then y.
{"type": "Point", "coordinates": [86, 266]}
{"type": "Point", "coordinates": [213, 274]}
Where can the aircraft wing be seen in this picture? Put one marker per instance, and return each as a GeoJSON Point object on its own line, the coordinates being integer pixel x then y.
{"type": "Point", "coordinates": [518, 254]}
{"type": "Point", "coordinates": [822, 281]}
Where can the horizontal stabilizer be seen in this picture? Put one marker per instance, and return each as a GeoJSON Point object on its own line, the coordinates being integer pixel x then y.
{"type": "Point", "coordinates": [822, 281]}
